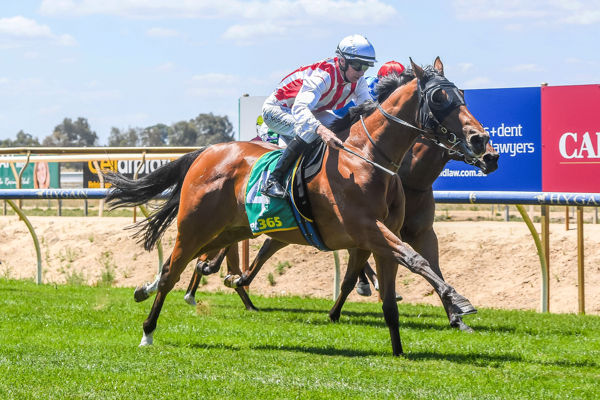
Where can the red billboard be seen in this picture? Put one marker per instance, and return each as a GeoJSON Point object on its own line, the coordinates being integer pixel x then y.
{"type": "Point", "coordinates": [571, 138]}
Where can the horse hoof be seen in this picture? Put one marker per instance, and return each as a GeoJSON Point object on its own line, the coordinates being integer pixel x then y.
{"type": "Point", "coordinates": [146, 340]}
{"type": "Point", "coordinates": [232, 281]}
{"type": "Point", "coordinates": [140, 294]}
{"type": "Point", "coordinates": [253, 309]}
{"type": "Point", "coordinates": [190, 299]}
{"type": "Point", "coordinates": [466, 310]}
{"type": "Point", "coordinates": [460, 325]}
{"type": "Point", "coordinates": [461, 305]}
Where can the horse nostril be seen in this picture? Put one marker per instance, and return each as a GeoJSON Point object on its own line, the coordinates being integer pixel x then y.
{"type": "Point", "coordinates": [478, 143]}
{"type": "Point", "coordinates": [491, 161]}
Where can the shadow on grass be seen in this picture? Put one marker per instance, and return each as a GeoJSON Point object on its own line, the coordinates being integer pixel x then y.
{"type": "Point", "coordinates": [356, 314]}
{"type": "Point", "coordinates": [473, 359]}
{"type": "Point", "coordinates": [430, 320]}
{"type": "Point", "coordinates": [323, 351]}
{"type": "Point", "coordinates": [486, 360]}
{"type": "Point", "coordinates": [433, 319]}
{"type": "Point", "coordinates": [482, 360]}
{"type": "Point", "coordinates": [201, 346]}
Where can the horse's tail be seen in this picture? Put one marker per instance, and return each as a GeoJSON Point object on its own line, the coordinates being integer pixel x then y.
{"type": "Point", "coordinates": [127, 192]}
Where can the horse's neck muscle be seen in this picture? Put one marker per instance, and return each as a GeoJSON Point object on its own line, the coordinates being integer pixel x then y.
{"type": "Point", "coordinates": [392, 138]}
{"type": "Point", "coordinates": [422, 165]}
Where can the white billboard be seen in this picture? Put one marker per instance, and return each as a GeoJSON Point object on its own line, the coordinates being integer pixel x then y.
{"type": "Point", "coordinates": [250, 107]}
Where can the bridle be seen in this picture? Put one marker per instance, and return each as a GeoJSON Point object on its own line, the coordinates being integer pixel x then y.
{"type": "Point", "coordinates": [431, 112]}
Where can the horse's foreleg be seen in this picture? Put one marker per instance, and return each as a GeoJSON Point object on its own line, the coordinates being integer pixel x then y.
{"type": "Point", "coordinates": [269, 247]}
{"type": "Point", "coordinates": [233, 258]}
{"type": "Point", "coordinates": [233, 268]}
{"type": "Point", "coordinates": [214, 265]}
{"type": "Point", "coordinates": [387, 267]}
{"type": "Point", "coordinates": [368, 271]}
{"type": "Point", "coordinates": [190, 293]}
{"type": "Point", "coordinates": [426, 243]}
{"type": "Point", "coordinates": [356, 263]}
{"type": "Point", "coordinates": [204, 267]}
{"type": "Point", "coordinates": [382, 241]}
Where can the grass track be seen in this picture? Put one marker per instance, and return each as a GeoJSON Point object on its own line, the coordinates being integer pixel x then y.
{"type": "Point", "coordinates": [76, 342]}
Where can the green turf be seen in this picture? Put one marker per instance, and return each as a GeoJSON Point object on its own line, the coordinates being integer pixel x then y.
{"type": "Point", "coordinates": [76, 342]}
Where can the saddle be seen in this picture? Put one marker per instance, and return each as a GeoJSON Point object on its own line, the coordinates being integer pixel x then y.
{"type": "Point", "coordinates": [268, 214]}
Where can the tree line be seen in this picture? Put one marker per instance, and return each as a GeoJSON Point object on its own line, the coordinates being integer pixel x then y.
{"type": "Point", "coordinates": [203, 130]}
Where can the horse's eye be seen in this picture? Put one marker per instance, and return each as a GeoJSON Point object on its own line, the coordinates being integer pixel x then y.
{"type": "Point", "coordinates": [439, 97]}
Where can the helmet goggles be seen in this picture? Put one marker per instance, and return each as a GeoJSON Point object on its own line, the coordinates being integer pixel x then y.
{"type": "Point", "coordinates": [358, 65]}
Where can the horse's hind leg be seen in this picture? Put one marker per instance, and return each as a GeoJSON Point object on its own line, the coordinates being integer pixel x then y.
{"type": "Point", "coordinates": [356, 263]}
{"type": "Point", "coordinates": [192, 239]}
{"type": "Point", "coordinates": [143, 292]}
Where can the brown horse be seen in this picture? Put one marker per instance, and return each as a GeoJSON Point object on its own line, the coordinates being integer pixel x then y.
{"type": "Point", "coordinates": [420, 167]}
{"type": "Point", "coordinates": [355, 205]}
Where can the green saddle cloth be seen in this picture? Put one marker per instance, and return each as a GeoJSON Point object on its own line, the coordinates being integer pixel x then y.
{"type": "Point", "coordinates": [267, 214]}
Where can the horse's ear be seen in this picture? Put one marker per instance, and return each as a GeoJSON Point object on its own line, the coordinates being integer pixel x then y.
{"type": "Point", "coordinates": [418, 70]}
{"type": "Point", "coordinates": [437, 64]}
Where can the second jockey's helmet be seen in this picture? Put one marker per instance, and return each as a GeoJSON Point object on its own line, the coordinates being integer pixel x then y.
{"type": "Point", "coordinates": [390, 67]}
{"type": "Point", "coordinates": [357, 47]}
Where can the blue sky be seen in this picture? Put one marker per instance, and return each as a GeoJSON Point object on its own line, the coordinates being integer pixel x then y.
{"type": "Point", "coordinates": [134, 63]}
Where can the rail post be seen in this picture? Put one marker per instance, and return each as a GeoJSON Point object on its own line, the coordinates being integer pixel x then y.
{"type": "Point", "coordinates": [580, 253]}
{"type": "Point", "coordinates": [101, 179]}
{"type": "Point", "coordinates": [541, 255]}
{"type": "Point", "coordinates": [36, 242]}
{"type": "Point", "coordinates": [545, 221]}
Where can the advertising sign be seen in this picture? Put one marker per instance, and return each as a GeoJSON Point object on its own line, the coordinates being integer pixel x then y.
{"type": "Point", "coordinates": [571, 141]}
{"type": "Point", "coordinates": [124, 167]}
{"type": "Point", "coordinates": [512, 117]}
{"type": "Point", "coordinates": [36, 175]}
{"type": "Point", "coordinates": [250, 107]}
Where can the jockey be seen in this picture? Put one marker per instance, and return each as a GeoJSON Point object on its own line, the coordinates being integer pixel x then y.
{"type": "Point", "coordinates": [301, 105]}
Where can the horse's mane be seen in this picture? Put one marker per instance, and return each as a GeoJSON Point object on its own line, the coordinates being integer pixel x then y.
{"type": "Point", "coordinates": [385, 87]}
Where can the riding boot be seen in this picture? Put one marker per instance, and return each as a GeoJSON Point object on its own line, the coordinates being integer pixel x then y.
{"type": "Point", "coordinates": [275, 187]}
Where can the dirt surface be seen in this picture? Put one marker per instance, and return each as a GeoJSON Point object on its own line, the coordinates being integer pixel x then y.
{"type": "Point", "coordinates": [494, 264]}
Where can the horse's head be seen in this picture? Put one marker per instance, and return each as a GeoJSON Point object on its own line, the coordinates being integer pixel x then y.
{"type": "Point", "coordinates": [444, 115]}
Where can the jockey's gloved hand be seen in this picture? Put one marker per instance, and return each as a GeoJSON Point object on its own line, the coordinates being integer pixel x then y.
{"type": "Point", "coordinates": [329, 137]}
